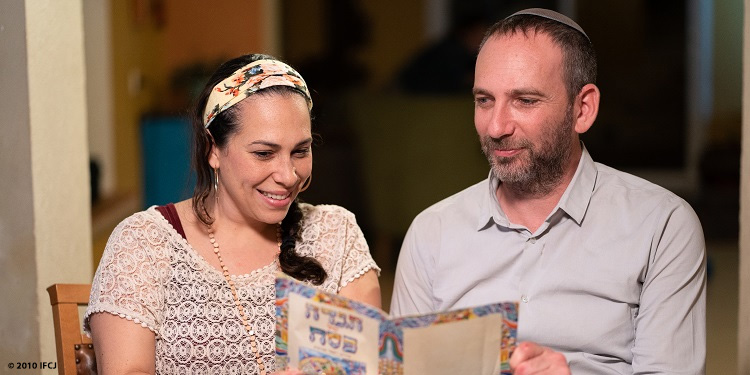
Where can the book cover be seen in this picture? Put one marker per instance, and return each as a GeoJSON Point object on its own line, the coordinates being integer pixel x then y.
{"type": "Point", "coordinates": [324, 333]}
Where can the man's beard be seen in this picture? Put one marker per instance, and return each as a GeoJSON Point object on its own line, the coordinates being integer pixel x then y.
{"type": "Point", "coordinates": [538, 169]}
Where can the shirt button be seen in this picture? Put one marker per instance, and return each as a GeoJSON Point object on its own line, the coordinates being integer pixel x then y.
{"type": "Point", "coordinates": [532, 240]}
{"type": "Point", "coordinates": [524, 299]}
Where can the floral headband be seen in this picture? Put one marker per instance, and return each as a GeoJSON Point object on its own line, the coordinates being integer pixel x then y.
{"type": "Point", "coordinates": [248, 80]}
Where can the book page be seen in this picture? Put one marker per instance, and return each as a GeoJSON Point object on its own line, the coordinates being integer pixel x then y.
{"type": "Point", "coordinates": [475, 340]}
{"type": "Point", "coordinates": [327, 338]}
{"type": "Point", "coordinates": [324, 333]}
{"type": "Point", "coordinates": [461, 347]}
{"type": "Point", "coordinates": [319, 332]}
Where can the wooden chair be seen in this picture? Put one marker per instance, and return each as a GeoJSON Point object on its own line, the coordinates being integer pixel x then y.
{"type": "Point", "coordinates": [75, 350]}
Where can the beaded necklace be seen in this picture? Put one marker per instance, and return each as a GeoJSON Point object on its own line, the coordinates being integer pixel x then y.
{"type": "Point", "coordinates": [243, 317]}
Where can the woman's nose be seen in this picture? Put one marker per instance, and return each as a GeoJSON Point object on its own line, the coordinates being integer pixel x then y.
{"type": "Point", "coordinates": [287, 174]}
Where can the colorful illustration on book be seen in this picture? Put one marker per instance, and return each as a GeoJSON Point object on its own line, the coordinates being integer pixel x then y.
{"type": "Point", "coordinates": [391, 353]}
{"type": "Point", "coordinates": [334, 324]}
{"type": "Point", "coordinates": [335, 318]}
{"type": "Point", "coordinates": [391, 333]}
{"type": "Point", "coordinates": [314, 362]}
{"type": "Point", "coordinates": [332, 329]}
{"type": "Point", "coordinates": [282, 322]}
{"type": "Point", "coordinates": [333, 340]}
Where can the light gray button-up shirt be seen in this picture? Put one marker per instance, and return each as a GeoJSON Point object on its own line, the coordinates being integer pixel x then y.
{"type": "Point", "coordinates": [614, 278]}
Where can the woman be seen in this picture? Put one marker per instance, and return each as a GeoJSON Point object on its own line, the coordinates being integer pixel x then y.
{"type": "Point", "coordinates": [189, 287]}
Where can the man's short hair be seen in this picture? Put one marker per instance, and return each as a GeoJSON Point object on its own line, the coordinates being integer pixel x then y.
{"type": "Point", "coordinates": [579, 57]}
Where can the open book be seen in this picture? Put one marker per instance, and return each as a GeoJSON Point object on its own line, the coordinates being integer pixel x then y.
{"type": "Point", "coordinates": [323, 333]}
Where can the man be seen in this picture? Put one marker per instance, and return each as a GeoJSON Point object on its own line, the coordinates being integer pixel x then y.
{"type": "Point", "coordinates": [609, 269]}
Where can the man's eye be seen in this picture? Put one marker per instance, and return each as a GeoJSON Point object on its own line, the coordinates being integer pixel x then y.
{"type": "Point", "coordinates": [527, 101]}
{"type": "Point", "coordinates": [481, 100]}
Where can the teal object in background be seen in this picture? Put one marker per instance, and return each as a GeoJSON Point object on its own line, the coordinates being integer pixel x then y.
{"type": "Point", "coordinates": [165, 147]}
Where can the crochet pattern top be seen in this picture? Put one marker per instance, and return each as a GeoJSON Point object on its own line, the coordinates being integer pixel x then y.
{"type": "Point", "coordinates": [149, 274]}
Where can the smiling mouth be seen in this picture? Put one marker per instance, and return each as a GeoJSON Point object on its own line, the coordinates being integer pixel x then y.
{"type": "Point", "coordinates": [277, 197]}
{"type": "Point", "coordinates": [507, 152]}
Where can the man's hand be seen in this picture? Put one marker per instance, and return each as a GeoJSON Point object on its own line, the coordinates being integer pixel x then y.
{"type": "Point", "coordinates": [530, 358]}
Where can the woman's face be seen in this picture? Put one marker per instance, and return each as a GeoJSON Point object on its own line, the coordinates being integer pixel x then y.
{"type": "Point", "coordinates": [264, 164]}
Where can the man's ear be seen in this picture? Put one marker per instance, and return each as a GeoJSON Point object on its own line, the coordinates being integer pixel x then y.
{"type": "Point", "coordinates": [586, 108]}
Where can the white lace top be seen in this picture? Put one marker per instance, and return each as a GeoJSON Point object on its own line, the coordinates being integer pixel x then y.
{"type": "Point", "coordinates": [150, 274]}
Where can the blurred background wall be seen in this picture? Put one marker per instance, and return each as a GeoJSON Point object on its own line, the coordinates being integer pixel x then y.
{"type": "Point", "coordinates": [669, 73]}
{"type": "Point", "coordinates": [391, 83]}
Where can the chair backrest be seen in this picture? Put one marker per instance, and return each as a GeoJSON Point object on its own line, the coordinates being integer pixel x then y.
{"type": "Point", "coordinates": [75, 350]}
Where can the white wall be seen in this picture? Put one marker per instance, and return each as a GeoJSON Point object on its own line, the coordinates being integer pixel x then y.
{"type": "Point", "coordinates": [17, 269]}
{"type": "Point", "coordinates": [45, 220]}
{"type": "Point", "coordinates": [97, 42]}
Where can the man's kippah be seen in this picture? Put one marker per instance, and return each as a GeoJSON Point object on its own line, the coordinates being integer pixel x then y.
{"type": "Point", "coordinates": [552, 15]}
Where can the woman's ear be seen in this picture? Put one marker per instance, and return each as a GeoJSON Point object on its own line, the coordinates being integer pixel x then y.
{"type": "Point", "coordinates": [586, 107]}
{"type": "Point", "coordinates": [213, 157]}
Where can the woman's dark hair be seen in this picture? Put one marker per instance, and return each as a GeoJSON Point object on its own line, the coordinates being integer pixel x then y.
{"type": "Point", "coordinates": [222, 128]}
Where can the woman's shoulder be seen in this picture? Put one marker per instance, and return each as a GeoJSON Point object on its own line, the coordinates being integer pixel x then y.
{"type": "Point", "coordinates": [332, 236]}
{"type": "Point", "coordinates": [143, 219]}
{"type": "Point", "coordinates": [327, 221]}
{"type": "Point", "coordinates": [325, 212]}
{"type": "Point", "coordinates": [145, 227]}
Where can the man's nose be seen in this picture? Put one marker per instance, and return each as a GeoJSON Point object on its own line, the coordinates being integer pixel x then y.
{"type": "Point", "coordinates": [501, 122]}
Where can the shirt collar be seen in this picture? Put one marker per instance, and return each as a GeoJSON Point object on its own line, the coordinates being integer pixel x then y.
{"type": "Point", "coordinates": [574, 201]}
{"type": "Point", "coordinates": [489, 208]}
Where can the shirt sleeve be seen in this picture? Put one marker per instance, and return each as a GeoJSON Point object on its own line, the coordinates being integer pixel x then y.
{"type": "Point", "coordinates": [126, 282]}
{"type": "Point", "coordinates": [413, 287]}
{"type": "Point", "coordinates": [357, 259]}
{"type": "Point", "coordinates": [671, 321]}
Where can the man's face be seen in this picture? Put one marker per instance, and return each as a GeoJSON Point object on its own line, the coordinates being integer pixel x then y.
{"type": "Point", "coordinates": [522, 112]}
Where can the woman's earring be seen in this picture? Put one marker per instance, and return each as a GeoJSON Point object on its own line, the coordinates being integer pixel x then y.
{"type": "Point", "coordinates": [216, 184]}
{"type": "Point", "coordinates": [307, 184]}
